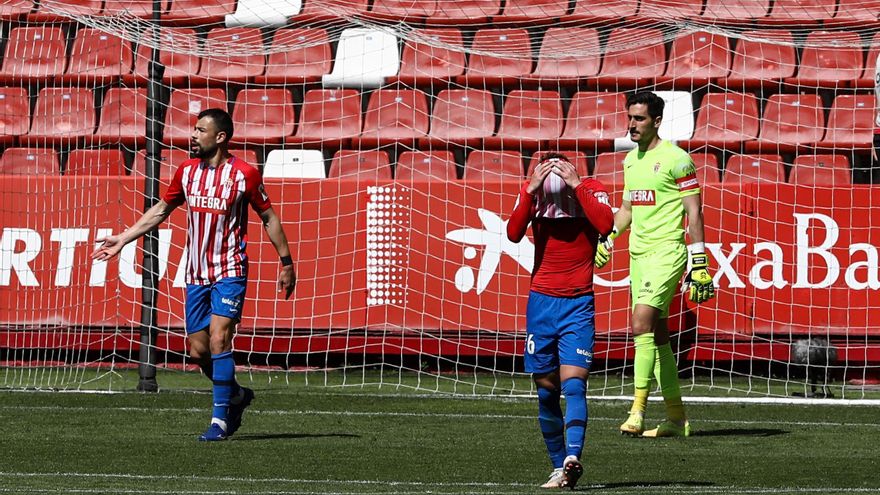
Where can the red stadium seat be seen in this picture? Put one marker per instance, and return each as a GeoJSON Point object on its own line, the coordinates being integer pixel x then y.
{"type": "Point", "coordinates": [754, 168]}
{"type": "Point", "coordinates": [168, 162]}
{"type": "Point", "coordinates": [465, 12]}
{"type": "Point", "coordinates": [609, 168]}
{"type": "Point", "coordinates": [830, 59]}
{"type": "Point", "coordinates": [725, 120]}
{"type": "Point", "coordinates": [226, 67]}
{"type": "Point", "coordinates": [360, 165]}
{"type": "Point", "coordinates": [625, 66]}
{"type": "Point", "coordinates": [248, 155]}
{"type": "Point", "coordinates": [183, 111]}
{"type": "Point", "coordinates": [487, 66]}
{"type": "Point", "coordinates": [492, 165]}
{"type": "Point", "coordinates": [34, 53]}
{"type": "Point", "coordinates": [529, 118]}
{"type": "Point", "coordinates": [697, 59]}
{"type": "Point", "coordinates": [136, 8]}
{"type": "Point", "coordinates": [602, 10]}
{"type": "Point", "coordinates": [13, 9]}
{"type": "Point", "coordinates": [45, 11]}
{"type": "Point", "coordinates": [123, 117]}
{"type": "Point", "coordinates": [62, 115]}
{"type": "Point", "coordinates": [559, 41]}
{"type": "Point", "coordinates": [801, 12]}
{"type": "Point", "coordinates": [198, 12]}
{"type": "Point", "coordinates": [670, 9]}
{"type": "Point", "coordinates": [297, 56]}
{"type": "Point", "coordinates": [861, 13]}
{"type": "Point", "coordinates": [821, 170]}
{"type": "Point", "coordinates": [179, 66]}
{"type": "Point", "coordinates": [330, 10]}
{"type": "Point", "coordinates": [531, 11]}
{"type": "Point", "coordinates": [426, 165]}
{"type": "Point", "coordinates": [29, 161]}
{"type": "Point", "coordinates": [329, 117]}
{"type": "Point", "coordinates": [263, 116]}
{"type": "Point", "coordinates": [578, 158]}
{"type": "Point", "coordinates": [757, 63]}
{"type": "Point", "coordinates": [594, 120]}
{"type": "Point", "coordinates": [850, 123]}
{"type": "Point", "coordinates": [394, 116]}
{"type": "Point", "coordinates": [707, 168]}
{"type": "Point", "coordinates": [867, 79]}
{"type": "Point", "coordinates": [15, 114]}
{"type": "Point", "coordinates": [461, 116]}
{"type": "Point", "coordinates": [427, 60]}
{"type": "Point", "coordinates": [410, 11]}
{"type": "Point", "coordinates": [95, 162]}
{"type": "Point", "coordinates": [96, 56]}
{"type": "Point", "coordinates": [790, 121]}
{"type": "Point", "coordinates": [736, 11]}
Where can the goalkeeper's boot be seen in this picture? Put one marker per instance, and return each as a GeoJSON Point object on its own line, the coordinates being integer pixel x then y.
{"type": "Point", "coordinates": [236, 411]}
{"type": "Point", "coordinates": [572, 469]}
{"type": "Point", "coordinates": [214, 433]}
{"type": "Point", "coordinates": [669, 429]}
{"type": "Point", "coordinates": [556, 479]}
{"type": "Point", "coordinates": [634, 424]}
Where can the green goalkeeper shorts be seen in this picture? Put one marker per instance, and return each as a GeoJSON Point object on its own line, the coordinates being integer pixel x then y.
{"type": "Point", "coordinates": [655, 276]}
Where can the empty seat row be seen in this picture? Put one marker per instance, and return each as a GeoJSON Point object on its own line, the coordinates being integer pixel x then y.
{"type": "Point", "coordinates": [366, 57]}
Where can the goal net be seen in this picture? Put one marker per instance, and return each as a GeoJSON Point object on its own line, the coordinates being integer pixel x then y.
{"type": "Point", "coordinates": [393, 137]}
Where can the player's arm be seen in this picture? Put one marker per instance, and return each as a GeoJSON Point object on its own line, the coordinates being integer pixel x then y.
{"type": "Point", "coordinates": [622, 221]}
{"type": "Point", "coordinates": [111, 245]}
{"type": "Point", "coordinates": [525, 203]}
{"type": "Point", "coordinates": [700, 287]}
{"type": "Point", "coordinates": [287, 274]}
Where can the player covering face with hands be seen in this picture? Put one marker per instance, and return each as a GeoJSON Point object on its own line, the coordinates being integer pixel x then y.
{"type": "Point", "coordinates": [568, 214]}
{"type": "Point", "coordinates": [660, 189]}
{"type": "Point", "coordinates": [217, 188]}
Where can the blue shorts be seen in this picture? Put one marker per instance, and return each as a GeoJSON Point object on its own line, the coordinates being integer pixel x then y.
{"type": "Point", "coordinates": [560, 331]}
{"type": "Point", "coordinates": [224, 298]}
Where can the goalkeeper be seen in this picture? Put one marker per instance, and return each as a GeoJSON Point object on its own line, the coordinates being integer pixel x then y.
{"type": "Point", "coordinates": [660, 188]}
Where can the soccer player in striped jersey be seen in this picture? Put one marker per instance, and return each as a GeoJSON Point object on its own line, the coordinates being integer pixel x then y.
{"type": "Point", "coordinates": [660, 190]}
{"type": "Point", "coordinates": [217, 188]}
{"type": "Point", "coordinates": [567, 214]}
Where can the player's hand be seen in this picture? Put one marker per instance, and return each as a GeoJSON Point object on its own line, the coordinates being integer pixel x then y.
{"type": "Point", "coordinates": [541, 172]}
{"type": "Point", "coordinates": [108, 248]}
{"type": "Point", "coordinates": [603, 250]}
{"type": "Point", "coordinates": [286, 280]}
{"type": "Point", "coordinates": [567, 172]}
{"type": "Point", "coordinates": [698, 281]}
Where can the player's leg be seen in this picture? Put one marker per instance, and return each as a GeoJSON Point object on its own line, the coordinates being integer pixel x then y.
{"type": "Point", "coordinates": [551, 423]}
{"type": "Point", "coordinates": [645, 351]}
{"type": "Point", "coordinates": [197, 316]}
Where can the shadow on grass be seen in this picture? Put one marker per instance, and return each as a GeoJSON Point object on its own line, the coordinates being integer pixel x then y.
{"type": "Point", "coordinates": [290, 436]}
{"type": "Point", "coordinates": [740, 432]}
{"type": "Point", "coordinates": [668, 484]}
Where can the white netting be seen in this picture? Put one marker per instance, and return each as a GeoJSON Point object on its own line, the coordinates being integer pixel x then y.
{"type": "Point", "coordinates": [393, 136]}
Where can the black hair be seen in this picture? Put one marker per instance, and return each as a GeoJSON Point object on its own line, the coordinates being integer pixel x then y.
{"type": "Point", "coordinates": [654, 102]}
{"type": "Point", "coordinates": [221, 119]}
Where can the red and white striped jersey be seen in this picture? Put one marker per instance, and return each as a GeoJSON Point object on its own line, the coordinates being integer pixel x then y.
{"type": "Point", "coordinates": [217, 200]}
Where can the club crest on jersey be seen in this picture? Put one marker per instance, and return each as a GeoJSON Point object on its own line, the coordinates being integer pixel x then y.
{"type": "Point", "coordinates": [642, 197]}
{"type": "Point", "coordinates": [656, 167]}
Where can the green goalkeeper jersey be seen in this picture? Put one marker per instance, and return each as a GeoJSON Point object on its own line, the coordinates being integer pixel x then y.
{"type": "Point", "coordinates": [654, 183]}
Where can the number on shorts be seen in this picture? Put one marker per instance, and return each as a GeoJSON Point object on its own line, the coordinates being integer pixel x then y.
{"type": "Point", "coordinates": [530, 344]}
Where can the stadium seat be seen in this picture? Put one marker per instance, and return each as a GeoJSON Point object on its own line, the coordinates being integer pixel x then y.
{"type": "Point", "coordinates": [263, 116]}
{"type": "Point", "coordinates": [568, 54]}
{"type": "Point", "coordinates": [15, 114]}
{"type": "Point", "coordinates": [297, 56]}
{"type": "Point", "coordinates": [725, 120]}
{"type": "Point", "coordinates": [364, 58]}
{"type": "Point", "coordinates": [315, 11]}
{"type": "Point", "coordinates": [360, 165]}
{"type": "Point", "coordinates": [609, 168]}
{"type": "Point", "coordinates": [13, 9]}
{"type": "Point", "coordinates": [226, 64]}
{"type": "Point", "coordinates": [294, 164]}
{"type": "Point", "coordinates": [179, 65]}
{"type": "Point", "coordinates": [248, 155]}
{"type": "Point", "coordinates": [123, 117]}
{"type": "Point", "coordinates": [754, 168]}
{"type": "Point", "coordinates": [594, 120]}
{"type": "Point", "coordinates": [530, 117]}
{"type": "Point", "coordinates": [830, 60]}
{"type": "Point", "coordinates": [789, 121]}
{"type": "Point", "coordinates": [464, 12]}
{"type": "Point", "coordinates": [492, 165]}
{"type": "Point", "coordinates": [602, 10]}
{"type": "Point", "coordinates": [95, 162]}
{"type": "Point", "coordinates": [426, 165]}
{"type": "Point", "coordinates": [96, 56]}
{"type": "Point", "coordinates": [461, 116]}
{"type": "Point", "coordinates": [758, 63]}
{"type": "Point", "coordinates": [34, 53]}
{"type": "Point", "coordinates": [626, 66]}
{"type": "Point", "coordinates": [578, 158]}
{"type": "Point", "coordinates": [394, 116]}
{"type": "Point", "coordinates": [29, 161]}
{"type": "Point", "coordinates": [800, 12]}
{"type": "Point", "coordinates": [170, 159]}
{"type": "Point", "coordinates": [678, 119]}
{"type": "Point", "coordinates": [850, 123]}
{"type": "Point", "coordinates": [867, 79]}
{"type": "Point", "coordinates": [328, 118]}
{"type": "Point", "coordinates": [531, 11]}
{"type": "Point", "coordinates": [428, 59]}
{"type": "Point", "coordinates": [667, 10]}
{"type": "Point", "coordinates": [410, 11]}
{"type": "Point", "coordinates": [46, 12]}
{"type": "Point", "coordinates": [62, 116]}
{"type": "Point", "coordinates": [696, 60]}
{"type": "Point", "coordinates": [856, 13]}
{"type": "Point", "coordinates": [821, 170]}
{"type": "Point", "coordinates": [736, 11]}
{"type": "Point", "coordinates": [183, 111]}
{"type": "Point", "coordinates": [498, 56]}
{"type": "Point", "coordinates": [260, 13]}
{"type": "Point", "coordinates": [707, 168]}
{"type": "Point", "coordinates": [198, 12]}
{"type": "Point", "coordinates": [136, 8]}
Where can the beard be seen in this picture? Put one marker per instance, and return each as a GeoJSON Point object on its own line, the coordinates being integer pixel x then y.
{"type": "Point", "coordinates": [198, 151]}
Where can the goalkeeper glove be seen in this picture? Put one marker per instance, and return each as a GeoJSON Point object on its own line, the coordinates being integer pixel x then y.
{"type": "Point", "coordinates": [699, 283]}
{"type": "Point", "coordinates": [603, 249]}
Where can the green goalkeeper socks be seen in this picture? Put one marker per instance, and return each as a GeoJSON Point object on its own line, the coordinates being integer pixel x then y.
{"type": "Point", "coordinates": [643, 368]}
{"type": "Point", "coordinates": [666, 373]}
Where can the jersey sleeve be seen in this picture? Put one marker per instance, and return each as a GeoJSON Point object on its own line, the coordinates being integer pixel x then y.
{"type": "Point", "coordinates": [593, 198]}
{"type": "Point", "coordinates": [175, 195]}
{"type": "Point", "coordinates": [685, 174]}
{"type": "Point", "coordinates": [254, 190]}
{"type": "Point", "coordinates": [523, 212]}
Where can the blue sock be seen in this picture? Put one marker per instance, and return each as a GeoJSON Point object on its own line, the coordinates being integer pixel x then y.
{"type": "Point", "coordinates": [224, 379]}
{"type": "Point", "coordinates": [550, 420]}
{"type": "Point", "coordinates": [208, 371]}
{"type": "Point", "coordinates": [575, 391]}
